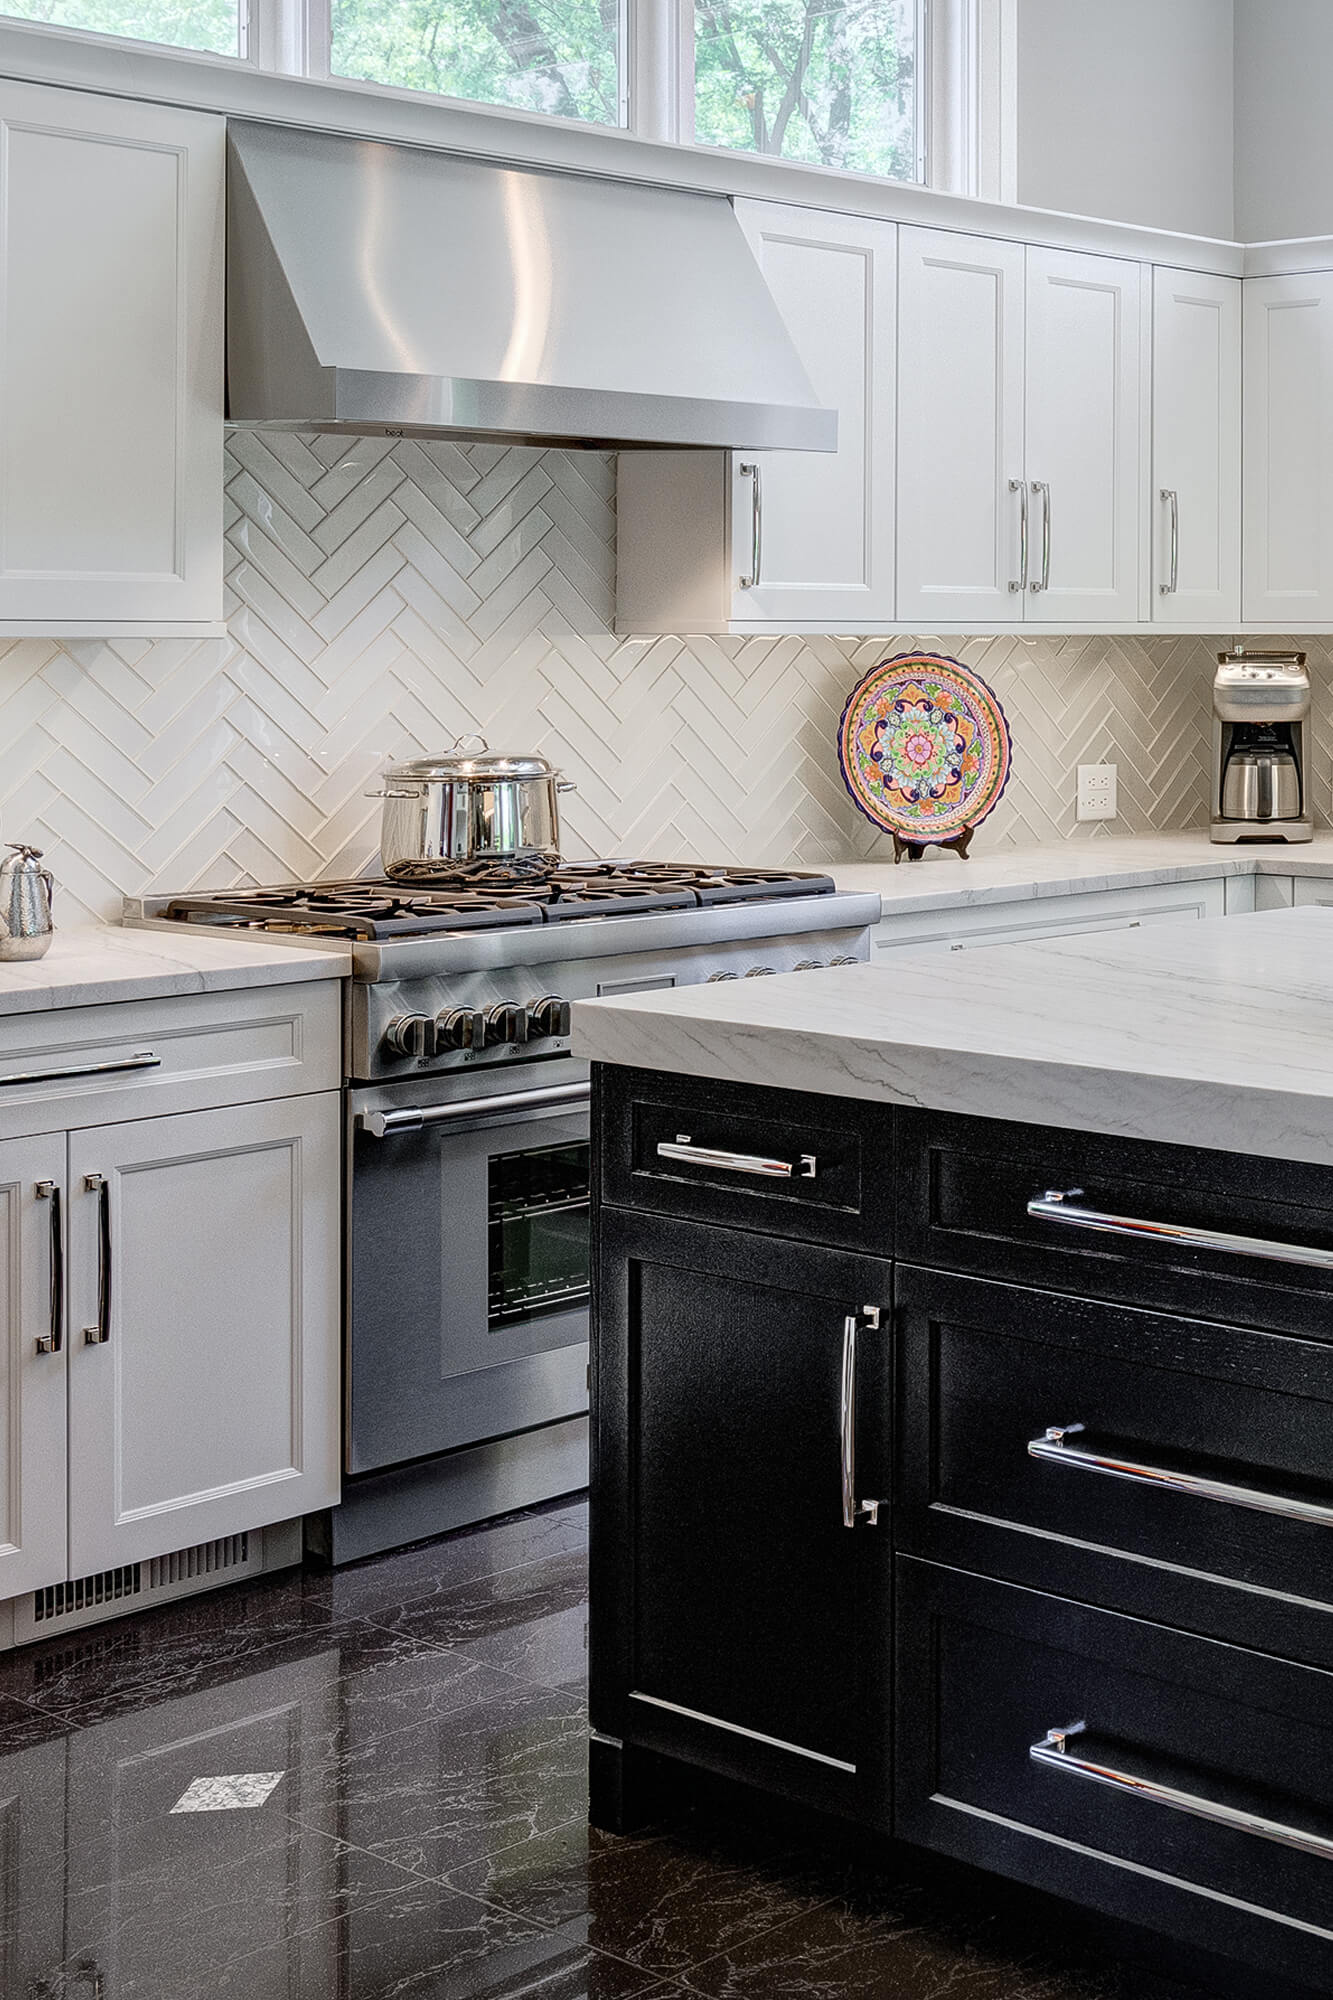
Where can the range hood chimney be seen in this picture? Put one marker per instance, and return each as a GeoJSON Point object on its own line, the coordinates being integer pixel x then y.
{"type": "Point", "coordinates": [385, 288]}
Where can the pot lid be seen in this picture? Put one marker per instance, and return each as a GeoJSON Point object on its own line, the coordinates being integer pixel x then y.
{"type": "Point", "coordinates": [463, 762]}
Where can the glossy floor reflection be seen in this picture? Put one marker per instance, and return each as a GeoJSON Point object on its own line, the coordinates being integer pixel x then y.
{"type": "Point", "coordinates": [421, 1720]}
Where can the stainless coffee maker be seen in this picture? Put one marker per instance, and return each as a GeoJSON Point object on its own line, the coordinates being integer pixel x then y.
{"type": "Point", "coordinates": [1261, 729]}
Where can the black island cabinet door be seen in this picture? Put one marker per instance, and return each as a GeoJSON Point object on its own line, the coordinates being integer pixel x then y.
{"type": "Point", "coordinates": [741, 1422]}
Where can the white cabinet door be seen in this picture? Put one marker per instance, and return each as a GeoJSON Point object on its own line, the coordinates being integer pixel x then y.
{"type": "Point", "coordinates": [110, 363]}
{"type": "Point", "coordinates": [827, 517]}
{"type": "Point", "coordinates": [1288, 414]}
{"type": "Point", "coordinates": [1195, 475]}
{"type": "Point", "coordinates": [211, 1404]}
{"type": "Point", "coordinates": [970, 926]}
{"type": "Point", "coordinates": [961, 493]}
{"type": "Point", "coordinates": [32, 1364]}
{"type": "Point", "coordinates": [1309, 891]}
{"type": "Point", "coordinates": [1083, 437]}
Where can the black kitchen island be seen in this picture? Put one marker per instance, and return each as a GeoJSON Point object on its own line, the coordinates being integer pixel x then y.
{"type": "Point", "coordinates": [970, 1477]}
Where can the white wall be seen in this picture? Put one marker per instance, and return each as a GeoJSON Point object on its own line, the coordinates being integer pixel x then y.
{"type": "Point", "coordinates": [1125, 109]}
{"type": "Point", "coordinates": [1284, 134]}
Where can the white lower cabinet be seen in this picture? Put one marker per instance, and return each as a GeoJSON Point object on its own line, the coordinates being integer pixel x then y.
{"type": "Point", "coordinates": [33, 1358]}
{"type": "Point", "coordinates": [204, 1299]}
{"type": "Point", "coordinates": [967, 928]}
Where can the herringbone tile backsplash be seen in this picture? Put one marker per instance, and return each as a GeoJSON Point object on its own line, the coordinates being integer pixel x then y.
{"type": "Point", "coordinates": [383, 600]}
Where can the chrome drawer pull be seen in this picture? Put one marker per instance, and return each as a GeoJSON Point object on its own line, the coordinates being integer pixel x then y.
{"type": "Point", "coordinates": [1053, 1751]}
{"type": "Point", "coordinates": [383, 1124]}
{"type": "Point", "coordinates": [852, 1508]}
{"type": "Point", "coordinates": [98, 1336]}
{"type": "Point", "coordinates": [683, 1148]}
{"type": "Point", "coordinates": [1054, 1447]}
{"type": "Point", "coordinates": [1054, 1206]}
{"type": "Point", "coordinates": [52, 1342]}
{"type": "Point", "coordinates": [144, 1060]}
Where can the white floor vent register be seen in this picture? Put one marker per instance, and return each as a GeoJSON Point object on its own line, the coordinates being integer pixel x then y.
{"type": "Point", "coordinates": [111, 1593]}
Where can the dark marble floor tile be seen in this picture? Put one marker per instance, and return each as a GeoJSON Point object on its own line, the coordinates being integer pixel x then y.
{"type": "Point", "coordinates": [22, 1725]}
{"type": "Point", "coordinates": [522, 1619]}
{"type": "Point", "coordinates": [663, 1901]}
{"type": "Point", "coordinates": [461, 1786]}
{"type": "Point", "coordinates": [410, 1575]}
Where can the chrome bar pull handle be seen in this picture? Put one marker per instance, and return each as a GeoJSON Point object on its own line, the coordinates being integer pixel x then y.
{"type": "Point", "coordinates": [1042, 486]}
{"type": "Point", "coordinates": [1055, 1754]}
{"type": "Point", "coordinates": [1055, 1446]}
{"type": "Point", "coordinates": [52, 1342]}
{"type": "Point", "coordinates": [852, 1508]}
{"type": "Point", "coordinates": [750, 470]}
{"type": "Point", "coordinates": [98, 1336]}
{"type": "Point", "coordinates": [1056, 1205]}
{"type": "Point", "coordinates": [1173, 501]}
{"type": "Point", "coordinates": [144, 1060]}
{"type": "Point", "coordinates": [1020, 487]}
{"type": "Point", "coordinates": [682, 1147]}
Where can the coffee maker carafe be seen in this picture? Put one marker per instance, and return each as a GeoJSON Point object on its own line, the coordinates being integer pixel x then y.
{"type": "Point", "coordinates": [1261, 725]}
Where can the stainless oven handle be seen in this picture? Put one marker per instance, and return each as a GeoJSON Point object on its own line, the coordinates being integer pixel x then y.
{"type": "Point", "coordinates": [1054, 1752]}
{"type": "Point", "coordinates": [383, 1124]}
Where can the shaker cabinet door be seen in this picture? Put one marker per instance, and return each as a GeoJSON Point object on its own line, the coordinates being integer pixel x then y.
{"type": "Point", "coordinates": [1083, 438]}
{"type": "Point", "coordinates": [824, 532]}
{"type": "Point", "coordinates": [110, 363]}
{"type": "Point", "coordinates": [1195, 473]}
{"type": "Point", "coordinates": [1288, 413]}
{"type": "Point", "coordinates": [32, 1364]}
{"type": "Point", "coordinates": [738, 1623]}
{"type": "Point", "coordinates": [205, 1283]}
{"type": "Point", "coordinates": [960, 430]}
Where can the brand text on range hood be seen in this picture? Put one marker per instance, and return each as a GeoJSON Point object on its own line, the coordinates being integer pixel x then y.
{"type": "Point", "coordinates": [378, 287]}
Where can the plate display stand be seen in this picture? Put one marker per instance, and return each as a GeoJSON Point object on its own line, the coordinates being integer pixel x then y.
{"type": "Point", "coordinates": [912, 850]}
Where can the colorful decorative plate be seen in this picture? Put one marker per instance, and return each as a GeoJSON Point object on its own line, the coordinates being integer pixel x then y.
{"type": "Point", "coordinates": [924, 747]}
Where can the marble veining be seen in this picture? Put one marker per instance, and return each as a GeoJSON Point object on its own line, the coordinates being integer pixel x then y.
{"type": "Point", "coordinates": [96, 963]}
{"type": "Point", "coordinates": [1189, 1033]}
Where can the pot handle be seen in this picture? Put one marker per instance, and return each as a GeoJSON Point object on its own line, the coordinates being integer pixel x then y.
{"type": "Point", "coordinates": [473, 737]}
{"type": "Point", "coordinates": [565, 785]}
{"type": "Point", "coordinates": [386, 793]}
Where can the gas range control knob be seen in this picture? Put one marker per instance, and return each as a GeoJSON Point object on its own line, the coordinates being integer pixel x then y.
{"type": "Point", "coordinates": [760, 972]}
{"type": "Point", "coordinates": [846, 959]}
{"type": "Point", "coordinates": [410, 1035]}
{"type": "Point", "coordinates": [506, 1024]}
{"type": "Point", "coordinates": [715, 977]}
{"type": "Point", "coordinates": [809, 965]}
{"type": "Point", "coordinates": [460, 1028]}
{"type": "Point", "coordinates": [548, 1016]}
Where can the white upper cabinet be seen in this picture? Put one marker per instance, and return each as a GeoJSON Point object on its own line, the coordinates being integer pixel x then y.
{"type": "Point", "coordinates": [826, 521]}
{"type": "Point", "coordinates": [713, 542]}
{"type": "Point", "coordinates": [1195, 478]}
{"type": "Point", "coordinates": [110, 364]}
{"type": "Point", "coordinates": [1288, 410]}
{"type": "Point", "coordinates": [1082, 351]}
{"type": "Point", "coordinates": [1019, 413]}
{"type": "Point", "coordinates": [960, 429]}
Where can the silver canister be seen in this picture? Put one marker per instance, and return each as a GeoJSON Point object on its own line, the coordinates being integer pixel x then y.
{"type": "Point", "coordinates": [26, 892]}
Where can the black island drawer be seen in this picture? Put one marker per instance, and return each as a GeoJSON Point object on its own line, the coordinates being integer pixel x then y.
{"type": "Point", "coordinates": [1220, 1236]}
{"type": "Point", "coordinates": [816, 1169]}
{"type": "Point", "coordinates": [1162, 1778]}
{"type": "Point", "coordinates": [1135, 1459]}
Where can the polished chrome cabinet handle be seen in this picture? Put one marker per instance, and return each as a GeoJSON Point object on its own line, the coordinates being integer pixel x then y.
{"type": "Point", "coordinates": [1055, 1206]}
{"type": "Point", "coordinates": [852, 1508]}
{"type": "Point", "coordinates": [1054, 1753]}
{"type": "Point", "coordinates": [1173, 501]}
{"type": "Point", "coordinates": [683, 1148]}
{"type": "Point", "coordinates": [749, 470]}
{"type": "Point", "coordinates": [52, 1342]}
{"type": "Point", "coordinates": [97, 1336]}
{"type": "Point", "coordinates": [1020, 487]}
{"type": "Point", "coordinates": [144, 1060]}
{"type": "Point", "coordinates": [1055, 1448]}
{"type": "Point", "coordinates": [1042, 486]}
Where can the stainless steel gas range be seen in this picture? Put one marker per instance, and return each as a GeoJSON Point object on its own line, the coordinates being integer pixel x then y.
{"type": "Point", "coordinates": [467, 1147]}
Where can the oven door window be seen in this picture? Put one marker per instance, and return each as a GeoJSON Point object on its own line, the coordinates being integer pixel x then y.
{"type": "Point", "coordinates": [537, 1227]}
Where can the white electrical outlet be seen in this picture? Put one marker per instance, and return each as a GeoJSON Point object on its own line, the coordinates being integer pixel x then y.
{"type": "Point", "coordinates": [1096, 791]}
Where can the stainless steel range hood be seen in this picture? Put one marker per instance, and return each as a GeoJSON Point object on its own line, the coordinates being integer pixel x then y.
{"type": "Point", "coordinates": [382, 288]}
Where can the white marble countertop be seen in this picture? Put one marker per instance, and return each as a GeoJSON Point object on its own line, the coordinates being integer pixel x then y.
{"type": "Point", "coordinates": [1072, 867]}
{"type": "Point", "coordinates": [1216, 1034]}
{"type": "Point", "coordinates": [89, 965]}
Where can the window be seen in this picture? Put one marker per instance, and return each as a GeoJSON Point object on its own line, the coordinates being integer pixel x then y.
{"type": "Point", "coordinates": [831, 82]}
{"type": "Point", "coordinates": [213, 26]}
{"type": "Point", "coordinates": [561, 57]}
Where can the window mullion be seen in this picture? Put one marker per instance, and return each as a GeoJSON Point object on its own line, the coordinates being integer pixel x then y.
{"type": "Point", "coordinates": [289, 37]}
{"type": "Point", "coordinates": [659, 59]}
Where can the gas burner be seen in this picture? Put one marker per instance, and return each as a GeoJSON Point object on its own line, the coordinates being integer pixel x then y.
{"type": "Point", "coordinates": [491, 896]}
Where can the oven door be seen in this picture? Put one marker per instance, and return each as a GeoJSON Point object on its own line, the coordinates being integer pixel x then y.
{"type": "Point", "coordinates": [468, 1281]}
